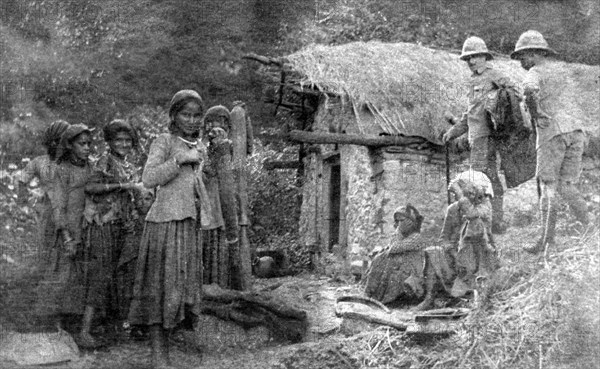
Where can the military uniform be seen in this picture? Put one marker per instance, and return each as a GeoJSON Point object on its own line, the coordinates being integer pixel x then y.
{"type": "Point", "coordinates": [560, 137]}
{"type": "Point", "coordinates": [477, 123]}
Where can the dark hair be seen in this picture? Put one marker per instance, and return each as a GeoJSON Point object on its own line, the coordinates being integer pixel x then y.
{"type": "Point", "coordinates": [119, 125]}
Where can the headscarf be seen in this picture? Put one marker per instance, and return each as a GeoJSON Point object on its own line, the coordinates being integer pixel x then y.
{"type": "Point", "coordinates": [68, 136]}
{"type": "Point", "coordinates": [119, 125]}
{"type": "Point", "coordinates": [178, 102]}
{"type": "Point", "coordinates": [409, 212]}
{"type": "Point", "coordinates": [477, 178]}
{"type": "Point", "coordinates": [52, 136]}
{"type": "Point", "coordinates": [181, 98]}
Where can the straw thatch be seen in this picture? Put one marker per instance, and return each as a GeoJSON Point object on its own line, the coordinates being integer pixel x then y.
{"type": "Point", "coordinates": [408, 88]}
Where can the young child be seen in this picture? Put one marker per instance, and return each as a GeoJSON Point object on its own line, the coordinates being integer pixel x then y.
{"type": "Point", "coordinates": [111, 214]}
{"type": "Point", "coordinates": [44, 169]}
{"type": "Point", "coordinates": [168, 280]}
{"type": "Point", "coordinates": [75, 265]}
{"type": "Point", "coordinates": [215, 253]}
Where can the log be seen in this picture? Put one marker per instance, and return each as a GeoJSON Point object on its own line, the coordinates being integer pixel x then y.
{"type": "Point", "coordinates": [263, 59]}
{"type": "Point", "coordinates": [220, 153]}
{"type": "Point", "coordinates": [349, 139]}
{"type": "Point", "coordinates": [251, 308]}
{"type": "Point", "coordinates": [242, 139]}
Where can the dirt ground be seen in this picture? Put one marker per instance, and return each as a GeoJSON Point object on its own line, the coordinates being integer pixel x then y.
{"type": "Point", "coordinates": [331, 342]}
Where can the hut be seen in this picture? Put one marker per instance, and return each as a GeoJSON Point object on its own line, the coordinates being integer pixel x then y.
{"type": "Point", "coordinates": [372, 117]}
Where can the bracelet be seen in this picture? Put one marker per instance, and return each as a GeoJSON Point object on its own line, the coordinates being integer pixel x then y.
{"type": "Point", "coordinates": [106, 188]}
{"type": "Point", "coordinates": [120, 186]}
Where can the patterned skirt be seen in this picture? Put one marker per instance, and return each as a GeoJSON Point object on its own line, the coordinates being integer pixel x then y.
{"type": "Point", "coordinates": [168, 279]}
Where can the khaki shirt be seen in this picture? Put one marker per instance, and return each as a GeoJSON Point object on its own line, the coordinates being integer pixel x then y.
{"type": "Point", "coordinates": [481, 89]}
{"type": "Point", "coordinates": [557, 105]}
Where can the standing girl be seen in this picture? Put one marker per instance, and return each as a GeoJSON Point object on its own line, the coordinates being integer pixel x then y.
{"type": "Point", "coordinates": [44, 169]}
{"type": "Point", "coordinates": [168, 279]}
{"type": "Point", "coordinates": [75, 266]}
{"type": "Point", "coordinates": [111, 215]}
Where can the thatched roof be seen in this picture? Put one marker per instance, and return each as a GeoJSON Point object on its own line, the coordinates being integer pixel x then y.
{"type": "Point", "coordinates": [407, 87]}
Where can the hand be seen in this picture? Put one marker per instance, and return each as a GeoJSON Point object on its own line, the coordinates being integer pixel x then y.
{"type": "Point", "coordinates": [191, 156]}
{"type": "Point", "coordinates": [217, 134]}
{"type": "Point", "coordinates": [448, 136]}
{"type": "Point", "coordinates": [133, 186]}
{"type": "Point", "coordinates": [542, 120]}
{"type": "Point", "coordinates": [71, 248]}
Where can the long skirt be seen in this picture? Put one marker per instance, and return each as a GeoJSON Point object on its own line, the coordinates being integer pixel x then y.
{"type": "Point", "coordinates": [124, 274]}
{"type": "Point", "coordinates": [97, 260]}
{"type": "Point", "coordinates": [60, 290]}
{"type": "Point", "coordinates": [217, 266]}
{"type": "Point", "coordinates": [168, 280]}
{"type": "Point", "coordinates": [394, 277]}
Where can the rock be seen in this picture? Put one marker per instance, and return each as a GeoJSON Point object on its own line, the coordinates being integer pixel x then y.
{"type": "Point", "coordinates": [38, 348]}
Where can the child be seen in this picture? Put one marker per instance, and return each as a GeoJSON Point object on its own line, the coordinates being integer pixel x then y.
{"type": "Point", "coordinates": [44, 169]}
{"type": "Point", "coordinates": [111, 215]}
{"type": "Point", "coordinates": [168, 280]}
{"type": "Point", "coordinates": [215, 252]}
{"type": "Point", "coordinates": [74, 264]}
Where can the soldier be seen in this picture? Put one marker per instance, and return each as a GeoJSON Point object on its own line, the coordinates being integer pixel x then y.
{"type": "Point", "coordinates": [477, 123]}
{"type": "Point", "coordinates": [560, 138]}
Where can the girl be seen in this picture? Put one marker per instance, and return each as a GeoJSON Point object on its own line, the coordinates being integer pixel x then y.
{"type": "Point", "coordinates": [44, 169]}
{"type": "Point", "coordinates": [215, 252]}
{"type": "Point", "coordinates": [168, 278]}
{"type": "Point", "coordinates": [74, 266]}
{"type": "Point", "coordinates": [111, 216]}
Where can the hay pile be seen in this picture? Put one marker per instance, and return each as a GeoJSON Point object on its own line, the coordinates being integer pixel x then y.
{"type": "Point", "coordinates": [543, 314]}
{"type": "Point", "coordinates": [409, 87]}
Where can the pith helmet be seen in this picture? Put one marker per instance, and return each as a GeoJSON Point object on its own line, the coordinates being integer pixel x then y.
{"type": "Point", "coordinates": [474, 46]}
{"type": "Point", "coordinates": [531, 40]}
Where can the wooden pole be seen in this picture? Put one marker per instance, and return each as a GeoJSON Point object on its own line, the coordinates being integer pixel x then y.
{"type": "Point", "coordinates": [349, 139]}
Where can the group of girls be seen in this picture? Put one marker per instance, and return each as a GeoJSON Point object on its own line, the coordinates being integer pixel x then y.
{"type": "Point", "coordinates": [118, 242]}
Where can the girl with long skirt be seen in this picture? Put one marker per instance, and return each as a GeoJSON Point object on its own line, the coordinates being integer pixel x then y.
{"type": "Point", "coordinates": [168, 279]}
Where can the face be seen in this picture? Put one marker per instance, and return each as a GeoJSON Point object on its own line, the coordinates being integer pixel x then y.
{"type": "Point", "coordinates": [121, 144]}
{"type": "Point", "coordinates": [189, 118]}
{"type": "Point", "coordinates": [81, 145]}
{"type": "Point", "coordinates": [476, 62]}
{"type": "Point", "coordinates": [218, 122]}
{"type": "Point", "coordinates": [527, 59]}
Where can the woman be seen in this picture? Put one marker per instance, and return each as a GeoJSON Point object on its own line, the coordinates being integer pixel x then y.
{"type": "Point", "coordinates": [397, 272]}
{"type": "Point", "coordinates": [168, 280]}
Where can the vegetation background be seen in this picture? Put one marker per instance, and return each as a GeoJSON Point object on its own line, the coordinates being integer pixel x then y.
{"type": "Point", "coordinates": [89, 61]}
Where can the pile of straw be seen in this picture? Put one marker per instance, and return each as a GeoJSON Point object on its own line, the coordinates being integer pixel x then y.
{"type": "Point", "coordinates": [543, 313]}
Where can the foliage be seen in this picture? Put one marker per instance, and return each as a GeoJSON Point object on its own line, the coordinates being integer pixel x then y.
{"type": "Point", "coordinates": [446, 24]}
{"type": "Point", "coordinates": [274, 198]}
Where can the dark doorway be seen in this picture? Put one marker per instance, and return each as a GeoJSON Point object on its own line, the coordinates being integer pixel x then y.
{"type": "Point", "coordinates": [334, 205]}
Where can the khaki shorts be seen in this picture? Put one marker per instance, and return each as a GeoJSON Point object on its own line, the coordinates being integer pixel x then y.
{"type": "Point", "coordinates": [559, 159]}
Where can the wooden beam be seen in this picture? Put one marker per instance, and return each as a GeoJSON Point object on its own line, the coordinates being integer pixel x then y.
{"type": "Point", "coordinates": [263, 59]}
{"type": "Point", "coordinates": [281, 164]}
{"type": "Point", "coordinates": [349, 139]}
